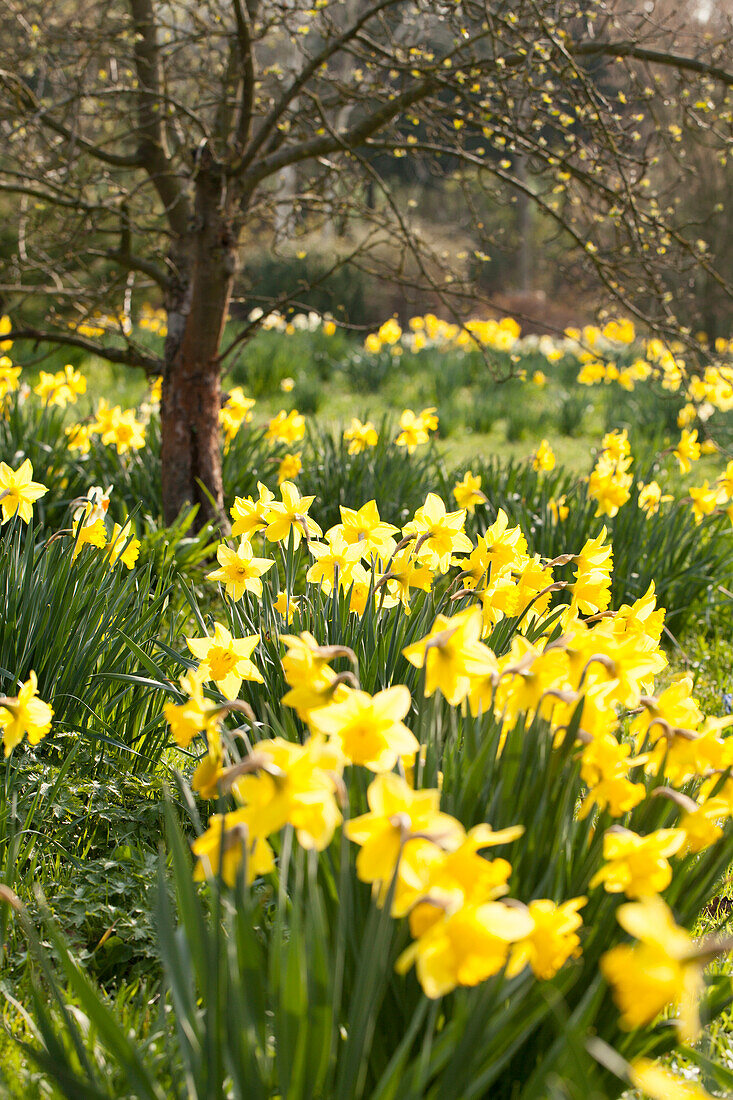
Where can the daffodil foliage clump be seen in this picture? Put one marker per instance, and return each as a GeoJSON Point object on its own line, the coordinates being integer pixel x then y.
{"type": "Point", "coordinates": [78, 610]}
{"type": "Point", "coordinates": [450, 839]}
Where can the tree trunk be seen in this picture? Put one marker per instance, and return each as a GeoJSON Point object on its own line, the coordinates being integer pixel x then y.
{"type": "Point", "coordinates": [191, 400]}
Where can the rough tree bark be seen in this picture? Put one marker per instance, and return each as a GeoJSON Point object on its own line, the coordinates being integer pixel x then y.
{"type": "Point", "coordinates": [197, 306]}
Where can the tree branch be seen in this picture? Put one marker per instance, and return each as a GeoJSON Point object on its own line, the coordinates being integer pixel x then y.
{"type": "Point", "coordinates": [154, 155]}
{"type": "Point", "coordinates": [132, 262]}
{"type": "Point", "coordinates": [26, 99]}
{"type": "Point", "coordinates": [129, 357]}
{"type": "Point", "coordinates": [656, 57]}
{"type": "Point", "coordinates": [274, 114]}
{"type": "Point", "coordinates": [246, 55]}
{"type": "Point", "coordinates": [51, 198]}
{"type": "Point", "coordinates": [348, 139]}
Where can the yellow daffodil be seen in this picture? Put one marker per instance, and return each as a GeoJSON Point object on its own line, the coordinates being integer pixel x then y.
{"type": "Point", "coordinates": [445, 653]}
{"type": "Point", "coordinates": [127, 433]}
{"type": "Point", "coordinates": [440, 533]}
{"type": "Point", "coordinates": [527, 679]}
{"type": "Point", "coordinates": [286, 427]}
{"type": "Point", "coordinates": [616, 446]}
{"type": "Point", "coordinates": [396, 814]}
{"type": "Point", "coordinates": [23, 714]}
{"type": "Point", "coordinates": [704, 500]}
{"type": "Point", "coordinates": [250, 515]}
{"type": "Point", "coordinates": [18, 491]}
{"type": "Point", "coordinates": [661, 969]}
{"type": "Point", "coordinates": [558, 508]}
{"type": "Point", "coordinates": [725, 482]}
{"type": "Point", "coordinates": [369, 728]}
{"type": "Point", "coordinates": [225, 844]}
{"type": "Point", "coordinates": [466, 947]}
{"type": "Point", "coordinates": [592, 372]}
{"type": "Point", "coordinates": [293, 785]}
{"type": "Point", "coordinates": [106, 418]}
{"type": "Point", "coordinates": [336, 560]}
{"type": "Point", "coordinates": [703, 825]}
{"type": "Point", "coordinates": [290, 466]}
{"type": "Point", "coordinates": [236, 410]}
{"type": "Point", "coordinates": [637, 865]}
{"type": "Point", "coordinates": [687, 450]}
{"type": "Point", "coordinates": [502, 547]}
{"type": "Point", "coordinates": [74, 381]}
{"type": "Point", "coordinates": [360, 436]}
{"type": "Point", "coordinates": [239, 570]}
{"type": "Point", "coordinates": [592, 588]}
{"type": "Point", "coordinates": [429, 418]}
{"type": "Point", "coordinates": [286, 606]}
{"type": "Point", "coordinates": [443, 881]}
{"type": "Point", "coordinates": [85, 533]}
{"type": "Point", "coordinates": [544, 457]}
{"type": "Point", "coordinates": [123, 546]}
{"type": "Point", "coordinates": [363, 527]}
{"type": "Point", "coordinates": [609, 485]}
{"type": "Point", "coordinates": [195, 715]}
{"type": "Point", "coordinates": [527, 596]}
{"type": "Point", "coordinates": [308, 673]}
{"type": "Point", "coordinates": [9, 376]}
{"type": "Point", "coordinates": [605, 764]}
{"type": "Point", "coordinates": [687, 415]}
{"type": "Point", "coordinates": [390, 332]}
{"type": "Point", "coordinates": [290, 516]}
{"type": "Point", "coordinates": [225, 660]}
{"type": "Point", "coordinates": [595, 554]}
{"type": "Point", "coordinates": [674, 708]}
{"type": "Point", "coordinates": [651, 497]}
{"type": "Point", "coordinates": [553, 940]}
{"type": "Point", "coordinates": [659, 1084]}
{"type": "Point", "coordinates": [50, 388]}
{"type": "Point", "coordinates": [413, 431]}
{"type": "Point", "coordinates": [78, 438]}
{"type": "Point", "coordinates": [61, 388]}
{"type": "Point", "coordinates": [468, 492]}
{"type": "Point", "coordinates": [403, 573]}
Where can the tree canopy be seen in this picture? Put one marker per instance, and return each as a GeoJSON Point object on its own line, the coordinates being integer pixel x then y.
{"type": "Point", "coordinates": [148, 145]}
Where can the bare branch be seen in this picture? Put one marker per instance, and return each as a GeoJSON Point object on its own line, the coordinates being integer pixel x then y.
{"type": "Point", "coordinates": [246, 57]}
{"type": "Point", "coordinates": [154, 154]}
{"type": "Point", "coordinates": [269, 123]}
{"type": "Point", "coordinates": [655, 57]}
{"type": "Point", "coordinates": [129, 356]}
{"type": "Point", "coordinates": [348, 139]}
{"type": "Point", "coordinates": [66, 201]}
{"type": "Point", "coordinates": [129, 261]}
{"type": "Point", "coordinates": [25, 98]}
